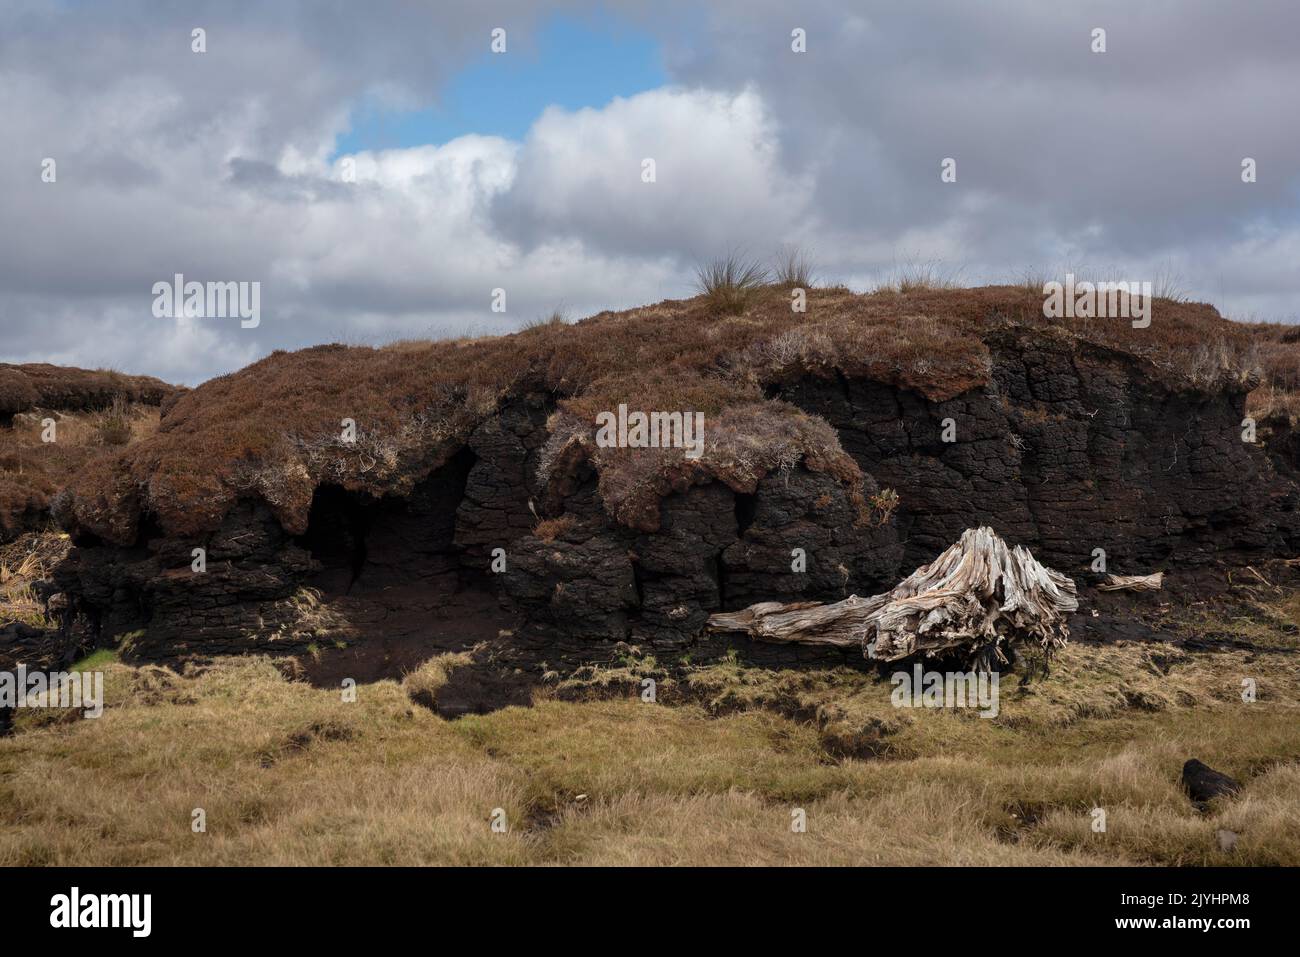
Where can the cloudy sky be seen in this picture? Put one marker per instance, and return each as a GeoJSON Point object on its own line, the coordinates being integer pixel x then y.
{"type": "Point", "coordinates": [379, 170]}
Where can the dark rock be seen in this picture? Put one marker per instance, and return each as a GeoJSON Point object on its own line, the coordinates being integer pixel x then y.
{"type": "Point", "coordinates": [1204, 783]}
{"type": "Point", "coordinates": [38, 648]}
{"type": "Point", "coordinates": [1070, 447]}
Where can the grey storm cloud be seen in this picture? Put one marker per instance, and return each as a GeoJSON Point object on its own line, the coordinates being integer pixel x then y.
{"type": "Point", "coordinates": [1124, 155]}
{"type": "Point", "coordinates": [220, 166]}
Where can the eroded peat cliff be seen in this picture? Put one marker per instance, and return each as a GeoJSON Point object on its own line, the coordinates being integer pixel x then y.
{"type": "Point", "coordinates": [843, 447]}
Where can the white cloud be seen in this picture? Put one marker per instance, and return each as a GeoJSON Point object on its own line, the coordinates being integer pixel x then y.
{"type": "Point", "coordinates": [718, 176]}
{"type": "Point", "coordinates": [418, 242]}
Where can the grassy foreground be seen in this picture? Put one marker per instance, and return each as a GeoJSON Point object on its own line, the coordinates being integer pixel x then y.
{"type": "Point", "coordinates": [711, 774]}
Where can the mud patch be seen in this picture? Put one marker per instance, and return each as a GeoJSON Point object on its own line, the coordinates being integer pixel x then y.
{"type": "Point", "coordinates": [1021, 818]}
{"type": "Point", "coordinates": [301, 740]}
{"type": "Point", "coordinates": [549, 814]}
{"type": "Point", "coordinates": [866, 743]}
{"type": "Point", "coordinates": [482, 690]}
{"type": "Point", "coordinates": [401, 629]}
{"type": "Point", "coordinates": [478, 689]}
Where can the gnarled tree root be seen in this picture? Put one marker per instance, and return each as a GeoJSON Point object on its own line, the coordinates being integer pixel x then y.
{"type": "Point", "coordinates": [979, 598]}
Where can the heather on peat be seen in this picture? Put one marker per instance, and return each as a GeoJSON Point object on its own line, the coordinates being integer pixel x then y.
{"type": "Point", "coordinates": [92, 411]}
{"type": "Point", "coordinates": [273, 431]}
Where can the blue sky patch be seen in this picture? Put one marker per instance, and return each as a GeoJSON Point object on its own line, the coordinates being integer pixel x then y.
{"type": "Point", "coordinates": [574, 62]}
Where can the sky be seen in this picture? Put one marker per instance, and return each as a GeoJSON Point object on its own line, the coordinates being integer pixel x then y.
{"type": "Point", "coordinates": [380, 171]}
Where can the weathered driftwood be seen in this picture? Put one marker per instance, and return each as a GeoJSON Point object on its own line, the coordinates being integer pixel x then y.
{"type": "Point", "coordinates": [806, 623]}
{"type": "Point", "coordinates": [977, 597]}
{"type": "Point", "coordinates": [1133, 582]}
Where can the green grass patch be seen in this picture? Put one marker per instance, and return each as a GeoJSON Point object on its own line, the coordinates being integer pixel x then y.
{"type": "Point", "coordinates": [98, 660]}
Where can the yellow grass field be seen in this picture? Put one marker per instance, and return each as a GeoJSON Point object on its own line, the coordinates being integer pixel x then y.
{"type": "Point", "coordinates": [713, 773]}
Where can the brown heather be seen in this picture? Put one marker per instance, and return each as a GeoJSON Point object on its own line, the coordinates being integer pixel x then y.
{"type": "Point", "coordinates": [272, 430]}
{"type": "Point", "coordinates": [1277, 400]}
{"type": "Point", "coordinates": [93, 409]}
{"type": "Point", "coordinates": [548, 530]}
{"type": "Point", "coordinates": [44, 386]}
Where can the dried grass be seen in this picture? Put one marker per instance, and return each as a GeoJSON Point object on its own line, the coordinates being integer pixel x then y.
{"type": "Point", "coordinates": [710, 775]}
